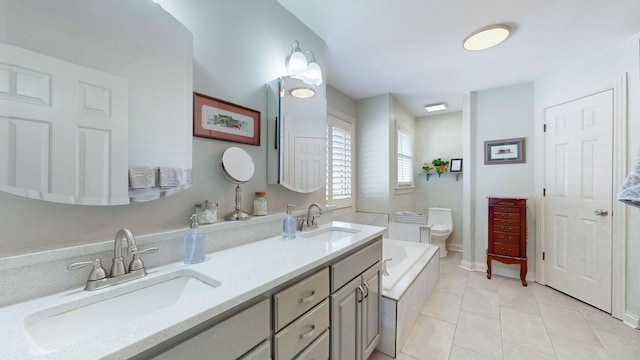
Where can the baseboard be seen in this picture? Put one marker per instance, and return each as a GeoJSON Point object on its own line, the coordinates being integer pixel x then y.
{"type": "Point", "coordinates": [632, 320]}
{"type": "Point", "coordinates": [454, 247]}
{"type": "Point", "coordinates": [511, 271]}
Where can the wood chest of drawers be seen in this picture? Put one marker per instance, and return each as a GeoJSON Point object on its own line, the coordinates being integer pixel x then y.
{"type": "Point", "coordinates": [508, 234]}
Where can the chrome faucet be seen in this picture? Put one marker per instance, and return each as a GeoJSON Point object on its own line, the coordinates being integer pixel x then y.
{"type": "Point", "coordinates": [310, 222]}
{"type": "Point", "coordinates": [98, 278]}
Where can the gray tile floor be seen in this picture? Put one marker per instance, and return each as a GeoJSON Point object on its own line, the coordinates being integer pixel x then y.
{"type": "Point", "coordinates": [470, 317]}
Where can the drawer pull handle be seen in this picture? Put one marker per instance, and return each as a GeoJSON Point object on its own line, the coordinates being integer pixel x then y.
{"type": "Point", "coordinates": [366, 286]}
{"type": "Point", "coordinates": [309, 298]}
{"type": "Point", "coordinates": [309, 333]}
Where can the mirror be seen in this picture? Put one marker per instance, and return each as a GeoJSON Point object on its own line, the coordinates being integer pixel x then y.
{"type": "Point", "coordinates": [88, 90]}
{"type": "Point", "coordinates": [238, 167]}
{"type": "Point", "coordinates": [297, 135]}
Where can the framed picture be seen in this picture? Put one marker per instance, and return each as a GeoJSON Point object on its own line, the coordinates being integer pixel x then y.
{"type": "Point", "coordinates": [509, 151]}
{"type": "Point", "coordinates": [218, 119]}
{"type": "Point", "coordinates": [455, 165]}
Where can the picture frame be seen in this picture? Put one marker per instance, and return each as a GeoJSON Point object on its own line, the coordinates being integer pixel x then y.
{"type": "Point", "coordinates": [455, 165]}
{"type": "Point", "coordinates": [508, 151]}
{"type": "Point", "coordinates": [221, 120]}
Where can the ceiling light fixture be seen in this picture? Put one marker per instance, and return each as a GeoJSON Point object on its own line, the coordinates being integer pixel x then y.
{"type": "Point", "coordinates": [435, 107]}
{"type": "Point", "coordinates": [302, 93]}
{"type": "Point", "coordinates": [487, 37]}
{"type": "Point", "coordinates": [298, 65]}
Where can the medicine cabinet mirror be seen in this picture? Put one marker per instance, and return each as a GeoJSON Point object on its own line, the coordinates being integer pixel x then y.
{"type": "Point", "coordinates": [296, 135]}
{"type": "Point", "coordinates": [89, 89]}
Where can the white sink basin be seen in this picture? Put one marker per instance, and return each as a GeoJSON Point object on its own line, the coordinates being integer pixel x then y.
{"type": "Point", "coordinates": [54, 329]}
{"type": "Point", "coordinates": [333, 233]}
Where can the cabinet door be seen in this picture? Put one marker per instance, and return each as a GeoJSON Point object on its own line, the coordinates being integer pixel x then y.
{"type": "Point", "coordinates": [371, 309]}
{"type": "Point", "coordinates": [346, 343]}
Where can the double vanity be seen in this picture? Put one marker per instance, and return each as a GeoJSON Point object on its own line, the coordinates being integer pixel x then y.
{"type": "Point", "coordinates": [271, 297]}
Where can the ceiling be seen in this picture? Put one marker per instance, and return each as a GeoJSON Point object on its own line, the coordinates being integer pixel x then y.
{"type": "Point", "coordinates": [412, 49]}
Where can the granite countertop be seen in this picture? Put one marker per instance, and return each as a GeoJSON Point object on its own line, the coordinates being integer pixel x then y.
{"type": "Point", "coordinates": [244, 272]}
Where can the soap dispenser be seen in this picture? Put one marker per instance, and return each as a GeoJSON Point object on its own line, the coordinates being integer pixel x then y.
{"type": "Point", "coordinates": [289, 224]}
{"type": "Point", "coordinates": [194, 243]}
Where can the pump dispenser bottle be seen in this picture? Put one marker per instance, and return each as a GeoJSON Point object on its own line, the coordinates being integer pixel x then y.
{"type": "Point", "coordinates": [289, 224]}
{"type": "Point", "coordinates": [194, 243]}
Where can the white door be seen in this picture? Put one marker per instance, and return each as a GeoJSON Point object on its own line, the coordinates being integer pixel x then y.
{"type": "Point", "coordinates": [578, 201]}
{"type": "Point", "coordinates": [63, 129]}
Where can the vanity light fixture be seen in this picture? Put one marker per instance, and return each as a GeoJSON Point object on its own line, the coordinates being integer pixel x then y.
{"type": "Point", "coordinates": [302, 93]}
{"type": "Point", "coordinates": [435, 107]}
{"type": "Point", "coordinates": [486, 37]}
{"type": "Point", "coordinates": [298, 65]}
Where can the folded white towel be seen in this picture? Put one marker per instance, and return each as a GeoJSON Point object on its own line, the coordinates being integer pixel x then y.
{"type": "Point", "coordinates": [172, 177]}
{"type": "Point", "coordinates": [630, 190]}
{"type": "Point", "coordinates": [142, 177]}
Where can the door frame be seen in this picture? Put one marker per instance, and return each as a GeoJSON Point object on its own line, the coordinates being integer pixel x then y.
{"type": "Point", "coordinates": [618, 242]}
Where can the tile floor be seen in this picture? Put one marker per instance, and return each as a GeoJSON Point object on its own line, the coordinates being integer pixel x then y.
{"type": "Point", "coordinates": [469, 317]}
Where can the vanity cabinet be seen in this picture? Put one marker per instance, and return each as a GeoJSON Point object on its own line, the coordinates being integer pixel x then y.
{"type": "Point", "coordinates": [222, 341]}
{"type": "Point", "coordinates": [301, 317]}
{"type": "Point", "coordinates": [355, 304]}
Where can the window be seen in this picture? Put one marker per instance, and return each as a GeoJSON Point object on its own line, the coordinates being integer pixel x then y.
{"type": "Point", "coordinates": [339, 162]}
{"type": "Point", "coordinates": [405, 158]}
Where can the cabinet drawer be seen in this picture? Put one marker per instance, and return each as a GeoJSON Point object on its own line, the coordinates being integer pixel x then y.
{"type": "Point", "coordinates": [299, 298]}
{"type": "Point", "coordinates": [261, 352]}
{"type": "Point", "coordinates": [505, 222]}
{"type": "Point", "coordinates": [507, 216]}
{"type": "Point", "coordinates": [301, 332]}
{"type": "Point", "coordinates": [506, 238]}
{"type": "Point", "coordinates": [507, 202]}
{"type": "Point", "coordinates": [502, 209]}
{"type": "Point", "coordinates": [509, 250]}
{"type": "Point", "coordinates": [319, 350]}
{"type": "Point", "coordinates": [223, 340]}
{"type": "Point", "coordinates": [506, 229]}
{"type": "Point", "coordinates": [348, 268]}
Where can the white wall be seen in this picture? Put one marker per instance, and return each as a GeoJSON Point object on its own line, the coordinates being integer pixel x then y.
{"type": "Point", "coordinates": [238, 47]}
{"type": "Point", "coordinates": [440, 136]}
{"type": "Point", "coordinates": [502, 113]}
{"type": "Point", "coordinates": [622, 57]}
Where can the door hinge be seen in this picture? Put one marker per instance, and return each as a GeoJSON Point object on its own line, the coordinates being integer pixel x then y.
{"type": "Point", "coordinates": [544, 192]}
{"type": "Point", "coordinates": [543, 255]}
{"type": "Point", "coordinates": [544, 128]}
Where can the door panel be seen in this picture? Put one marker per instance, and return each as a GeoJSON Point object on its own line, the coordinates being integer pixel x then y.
{"type": "Point", "coordinates": [578, 181]}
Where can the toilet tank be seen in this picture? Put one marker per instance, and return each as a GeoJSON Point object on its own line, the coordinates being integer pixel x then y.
{"type": "Point", "coordinates": [440, 216]}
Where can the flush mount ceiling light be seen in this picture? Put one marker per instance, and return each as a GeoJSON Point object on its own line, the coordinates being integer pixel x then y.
{"type": "Point", "coordinates": [298, 65]}
{"type": "Point", "coordinates": [302, 93]}
{"type": "Point", "coordinates": [435, 107]}
{"type": "Point", "coordinates": [487, 37]}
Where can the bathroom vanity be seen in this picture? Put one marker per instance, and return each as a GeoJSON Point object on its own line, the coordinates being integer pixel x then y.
{"type": "Point", "coordinates": [270, 298]}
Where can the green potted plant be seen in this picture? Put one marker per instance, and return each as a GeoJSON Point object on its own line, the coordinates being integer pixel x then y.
{"type": "Point", "coordinates": [440, 165]}
{"type": "Point", "coordinates": [426, 167]}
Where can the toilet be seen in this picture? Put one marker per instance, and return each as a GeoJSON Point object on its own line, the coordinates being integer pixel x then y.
{"type": "Point", "coordinates": [440, 220]}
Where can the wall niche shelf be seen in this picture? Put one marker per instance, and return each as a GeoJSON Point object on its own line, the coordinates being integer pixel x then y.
{"type": "Point", "coordinates": [433, 173]}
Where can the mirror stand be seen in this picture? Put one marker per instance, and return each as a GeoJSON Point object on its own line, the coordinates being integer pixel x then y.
{"type": "Point", "coordinates": [237, 214]}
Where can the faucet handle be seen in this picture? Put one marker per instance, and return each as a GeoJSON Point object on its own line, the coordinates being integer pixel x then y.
{"type": "Point", "coordinates": [98, 272]}
{"type": "Point", "coordinates": [136, 262]}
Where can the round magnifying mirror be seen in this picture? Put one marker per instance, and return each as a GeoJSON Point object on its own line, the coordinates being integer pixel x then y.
{"type": "Point", "coordinates": [238, 167]}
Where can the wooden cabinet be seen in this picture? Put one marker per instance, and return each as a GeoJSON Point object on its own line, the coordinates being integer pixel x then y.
{"type": "Point", "coordinates": [355, 306]}
{"type": "Point", "coordinates": [508, 234]}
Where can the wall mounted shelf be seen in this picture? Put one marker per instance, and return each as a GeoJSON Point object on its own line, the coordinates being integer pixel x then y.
{"type": "Point", "coordinates": [457, 174]}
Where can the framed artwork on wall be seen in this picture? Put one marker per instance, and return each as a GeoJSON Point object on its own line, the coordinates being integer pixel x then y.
{"type": "Point", "coordinates": [509, 151]}
{"type": "Point", "coordinates": [218, 119]}
{"type": "Point", "coordinates": [455, 165]}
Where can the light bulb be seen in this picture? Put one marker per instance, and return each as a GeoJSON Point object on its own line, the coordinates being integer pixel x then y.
{"type": "Point", "coordinates": [314, 74]}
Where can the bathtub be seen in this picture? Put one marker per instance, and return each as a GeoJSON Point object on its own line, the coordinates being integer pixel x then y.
{"type": "Point", "coordinates": [413, 270]}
